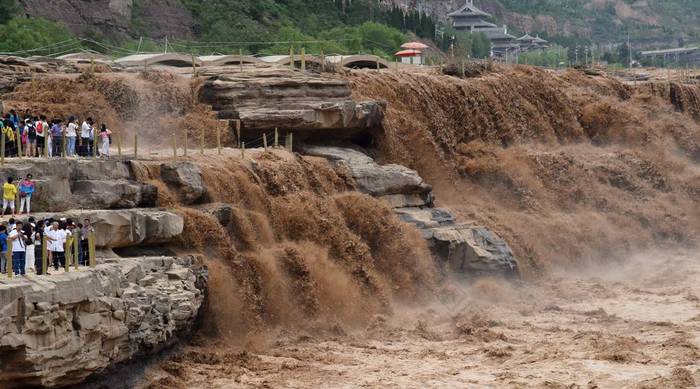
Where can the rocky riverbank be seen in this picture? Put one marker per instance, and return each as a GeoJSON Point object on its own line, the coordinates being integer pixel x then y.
{"type": "Point", "coordinates": [60, 329]}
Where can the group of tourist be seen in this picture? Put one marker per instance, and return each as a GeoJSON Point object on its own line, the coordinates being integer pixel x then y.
{"type": "Point", "coordinates": [34, 136]}
{"type": "Point", "coordinates": [25, 239]}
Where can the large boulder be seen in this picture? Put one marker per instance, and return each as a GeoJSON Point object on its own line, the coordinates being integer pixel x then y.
{"type": "Point", "coordinates": [66, 183]}
{"type": "Point", "coordinates": [128, 227]}
{"type": "Point", "coordinates": [57, 330]}
{"type": "Point", "coordinates": [463, 248]}
{"type": "Point", "coordinates": [398, 185]}
{"type": "Point", "coordinates": [186, 179]}
{"type": "Point", "coordinates": [113, 194]}
{"type": "Point", "coordinates": [221, 211]}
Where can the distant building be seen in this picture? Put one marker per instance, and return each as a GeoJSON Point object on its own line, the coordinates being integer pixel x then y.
{"type": "Point", "coordinates": [528, 42]}
{"type": "Point", "coordinates": [410, 56]}
{"type": "Point", "coordinates": [471, 19]}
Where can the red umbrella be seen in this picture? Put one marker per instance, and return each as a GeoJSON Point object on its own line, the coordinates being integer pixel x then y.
{"type": "Point", "coordinates": [414, 46]}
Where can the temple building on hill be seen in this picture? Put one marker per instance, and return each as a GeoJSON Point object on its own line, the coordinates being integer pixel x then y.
{"type": "Point", "coordinates": [470, 18]}
{"type": "Point", "coordinates": [528, 42]}
{"type": "Point", "coordinates": [503, 45]}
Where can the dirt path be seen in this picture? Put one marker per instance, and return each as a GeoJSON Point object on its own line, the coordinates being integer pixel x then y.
{"type": "Point", "coordinates": [630, 325]}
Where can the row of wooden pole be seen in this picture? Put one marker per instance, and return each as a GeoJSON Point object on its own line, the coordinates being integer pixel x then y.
{"type": "Point", "coordinates": [683, 74]}
{"type": "Point", "coordinates": [289, 142]}
{"type": "Point", "coordinates": [71, 253]}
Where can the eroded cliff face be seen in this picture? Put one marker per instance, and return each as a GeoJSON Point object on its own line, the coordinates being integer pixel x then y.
{"type": "Point", "coordinates": [116, 19]}
{"type": "Point", "coordinates": [58, 330]}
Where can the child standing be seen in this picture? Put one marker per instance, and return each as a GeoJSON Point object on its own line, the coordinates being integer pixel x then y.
{"type": "Point", "coordinates": [9, 192]}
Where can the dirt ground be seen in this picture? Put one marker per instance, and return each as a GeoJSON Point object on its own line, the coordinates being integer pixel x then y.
{"type": "Point", "coordinates": [635, 325]}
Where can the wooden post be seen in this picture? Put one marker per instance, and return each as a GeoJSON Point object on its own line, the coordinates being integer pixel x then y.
{"type": "Point", "coordinates": [174, 143]}
{"type": "Point", "coordinates": [8, 259]}
{"type": "Point", "coordinates": [44, 255]}
{"type": "Point", "coordinates": [277, 137]}
{"type": "Point", "coordinates": [2, 148]}
{"type": "Point", "coordinates": [75, 252]}
{"type": "Point", "coordinates": [201, 143]}
{"type": "Point", "coordinates": [291, 58]}
{"type": "Point", "coordinates": [238, 131]}
{"type": "Point", "coordinates": [265, 142]}
{"type": "Point", "coordinates": [67, 254]}
{"type": "Point", "coordinates": [240, 59]}
{"type": "Point", "coordinates": [377, 63]}
{"type": "Point", "coordinates": [323, 61]}
{"type": "Point", "coordinates": [18, 141]}
{"type": "Point", "coordinates": [291, 141]}
{"type": "Point", "coordinates": [218, 140]}
{"type": "Point", "coordinates": [94, 144]}
{"type": "Point", "coordinates": [119, 145]}
{"type": "Point", "coordinates": [136, 146]}
{"type": "Point", "coordinates": [91, 248]}
{"type": "Point", "coordinates": [303, 59]}
{"type": "Point", "coordinates": [186, 145]}
{"type": "Point", "coordinates": [242, 150]}
{"type": "Point", "coordinates": [194, 67]}
{"type": "Point", "coordinates": [340, 64]}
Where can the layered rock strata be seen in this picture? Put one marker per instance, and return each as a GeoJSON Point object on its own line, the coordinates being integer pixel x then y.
{"type": "Point", "coordinates": [64, 184]}
{"type": "Point", "coordinates": [265, 98]}
{"type": "Point", "coordinates": [58, 330]}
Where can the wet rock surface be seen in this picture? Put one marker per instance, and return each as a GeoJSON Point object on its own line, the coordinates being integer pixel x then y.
{"type": "Point", "coordinates": [186, 179]}
{"type": "Point", "coordinates": [399, 185]}
{"type": "Point", "coordinates": [460, 247]}
{"type": "Point", "coordinates": [57, 330]}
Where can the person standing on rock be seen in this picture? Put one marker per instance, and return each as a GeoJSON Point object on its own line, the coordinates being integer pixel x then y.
{"type": "Point", "coordinates": [37, 237]}
{"type": "Point", "coordinates": [28, 231]}
{"type": "Point", "coordinates": [56, 138]}
{"type": "Point", "coordinates": [85, 232]}
{"type": "Point", "coordinates": [3, 249]}
{"type": "Point", "coordinates": [71, 135]}
{"type": "Point", "coordinates": [85, 144]}
{"type": "Point", "coordinates": [57, 239]}
{"type": "Point", "coordinates": [18, 240]}
{"type": "Point", "coordinates": [26, 191]}
{"type": "Point", "coordinates": [9, 192]}
{"type": "Point", "coordinates": [9, 137]}
{"type": "Point", "coordinates": [105, 134]}
{"type": "Point", "coordinates": [42, 127]}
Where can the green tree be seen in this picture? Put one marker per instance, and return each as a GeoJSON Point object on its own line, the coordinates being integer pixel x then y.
{"type": "Point", "coordinates": [8, 9]}
{"type": "Point", "coordinates": [27, 33]}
